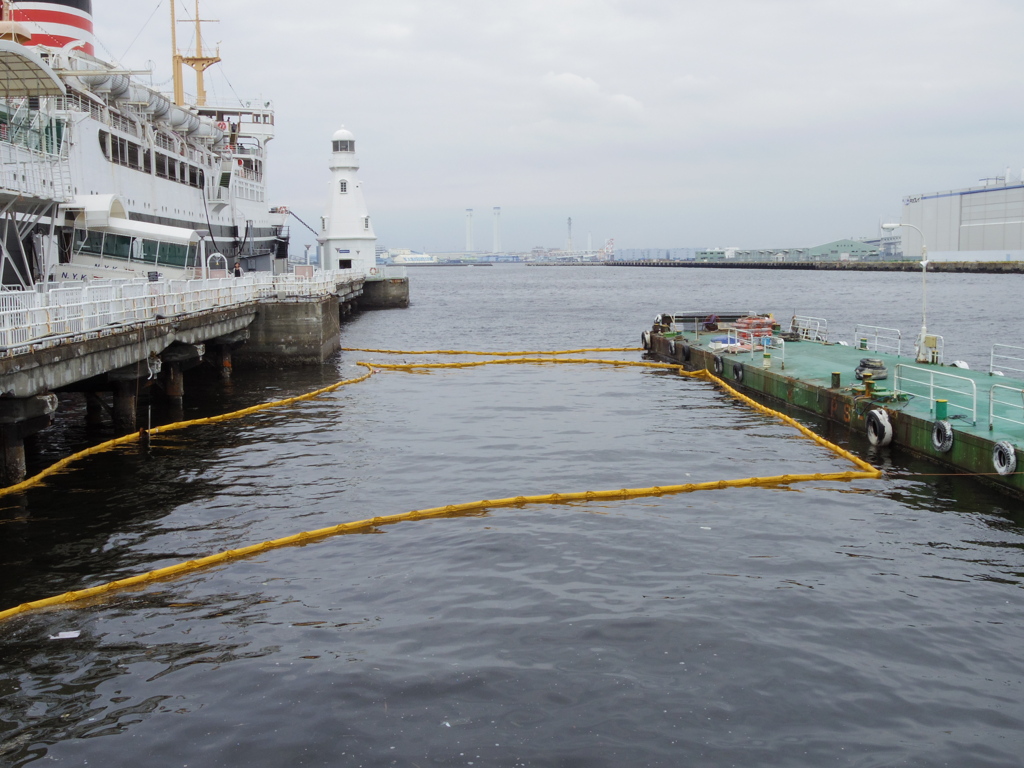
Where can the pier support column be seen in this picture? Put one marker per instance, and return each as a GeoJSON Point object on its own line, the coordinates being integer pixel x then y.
{"type": "Point", "coordinates": [94, 408]}
{"type": "Point", "coordinates": [224, 355]}
{"type": "Point", "coordinates": [125, 406]}
{"type": "Point", "coordinates": [13, 454]}
{"type": "Point", "coordinates": [221, 348]}
{"type": "Point", "coordinates": [177, 359]}
{"type": "Point", "coordinates": [20, 418]}
{"type": "Point", "coordinates": [127, 381]}
{"type": "Point", "coordinates": [174, 385]}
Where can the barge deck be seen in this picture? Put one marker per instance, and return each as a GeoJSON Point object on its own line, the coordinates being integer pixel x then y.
{"type": "Point", "coordinates": [971, 421]}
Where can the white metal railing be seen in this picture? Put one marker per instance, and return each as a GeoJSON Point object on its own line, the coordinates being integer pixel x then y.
{"type": "Point", "coordinates": [960, 392]}
{"type": "Point", "coordinates": [777, 345]}
{"type": "Point", "coordinates": [1010, 358]}
{"type": "Point", "coordinates": [875, 338]}
{"type": "Point", "coordinates": [809, 328]}
{"type": "Point", "coordinates": [1017, 405]}
{"type": "Point", "coordinates": [53, 312]}
{"type": "Point", "coordinates": [34, 173]}
{"type": "Point", "coordinates": [747, 336]}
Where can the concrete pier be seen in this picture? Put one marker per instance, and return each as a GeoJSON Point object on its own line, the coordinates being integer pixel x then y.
{"type": "Point", "coordinates": [273, 321]}
{"type": "Point", "coordinates": [299, 332]}
{"type": "Point", "coordinates": [390, 293]}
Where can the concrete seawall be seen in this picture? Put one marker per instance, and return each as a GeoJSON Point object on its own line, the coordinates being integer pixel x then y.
{"type": "Point", "coordinates": [975, 267]}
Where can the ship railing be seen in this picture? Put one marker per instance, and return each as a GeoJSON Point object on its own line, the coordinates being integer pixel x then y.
{"type": "Point", "coordinates": [1014, 405]}
{"type": "Point", "coordinates": [75, 103]}
{"type": "Point", "coordinates": [218, 194]}
{"type": "Point", "coordinates": [809, 328]}
{"type": "Point", "coordinates": [960, 392]}
{"type": "Point", "coordinates": [123, 124]}
{"type": "Point", "coordinates": [875, 338]}
{"type": "Point", "coordinates": [1008, 358]}
{"type": "Point", "coordinates": [243, 149]}
{"type": "Point", "coordinates": [34, 173]}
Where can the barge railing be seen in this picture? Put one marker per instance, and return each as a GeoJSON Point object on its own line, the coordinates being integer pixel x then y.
{"type": "Point", "coordinates": [933, 384]}
{"type": "Point", "coordinates": [810, 328]}
{"type": "Point", "coordinates": [776, 343]}
{"type": "Point", "coordinates": [875, 338]}
{"type": "Point", "coordinates": [758, 340]}
{"type": "Point", "coordinates": [993, 402]}
{"type": "Point", "coordinates": [1012, 358]}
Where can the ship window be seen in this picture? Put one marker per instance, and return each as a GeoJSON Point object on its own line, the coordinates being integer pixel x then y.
{"type": "Point", "coordinates": [88, 242]}
{"type": "Point", "coordinates": [149, 250]}
{"type": "Point", "coordinates": [343, 187]}
{"type": "Point", "coordinates": [366, 222]}
{"type": "Point", "coordinates": [173, 254]}
{"type": "Point", "coordinates": [104, 145]}
{"type": "Point", "coordinates": [117, 246]}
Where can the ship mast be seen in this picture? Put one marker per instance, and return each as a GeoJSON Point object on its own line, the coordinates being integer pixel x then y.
{"type": "Point", "coordinates": [200, 63]}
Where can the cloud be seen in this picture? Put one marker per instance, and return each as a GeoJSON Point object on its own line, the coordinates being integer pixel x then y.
{"type": "Point", "coordinates": [671, 122]}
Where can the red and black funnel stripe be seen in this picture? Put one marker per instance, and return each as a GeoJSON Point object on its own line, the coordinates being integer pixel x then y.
{"type": "Point", "coordinates": [56, 23]}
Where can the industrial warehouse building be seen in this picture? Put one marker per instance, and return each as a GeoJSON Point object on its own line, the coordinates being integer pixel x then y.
{"type": "Point", "coordinates": [975, 224]}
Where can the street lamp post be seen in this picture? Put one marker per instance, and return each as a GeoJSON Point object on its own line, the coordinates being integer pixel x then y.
{"type": "Point", "coordinates": [922, 355]}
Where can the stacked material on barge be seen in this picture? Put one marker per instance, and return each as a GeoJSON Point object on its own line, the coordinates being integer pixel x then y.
{"type": "Point", "coordinates": [972, 421]}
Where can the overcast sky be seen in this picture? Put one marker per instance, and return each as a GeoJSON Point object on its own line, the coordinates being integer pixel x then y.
{"type": "Point", "coordinates": [661, 123]}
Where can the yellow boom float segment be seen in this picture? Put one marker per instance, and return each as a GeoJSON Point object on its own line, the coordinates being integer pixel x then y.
{"type": "Point", "coordinates": [866, 471]}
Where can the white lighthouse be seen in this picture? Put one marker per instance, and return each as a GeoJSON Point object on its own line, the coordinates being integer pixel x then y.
{"type": "Point", "coordinates": [347, 238]}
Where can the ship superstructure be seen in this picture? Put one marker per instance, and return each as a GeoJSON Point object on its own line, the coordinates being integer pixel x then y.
{"type": "Point", "coordinates": [139, 161]}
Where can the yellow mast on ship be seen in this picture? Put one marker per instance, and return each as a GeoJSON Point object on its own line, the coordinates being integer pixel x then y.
{"type": "Point", "coordinates": [199, 62]}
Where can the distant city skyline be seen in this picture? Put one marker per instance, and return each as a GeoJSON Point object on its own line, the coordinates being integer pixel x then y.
{"type": "Point", "coordinates": [660, 123]}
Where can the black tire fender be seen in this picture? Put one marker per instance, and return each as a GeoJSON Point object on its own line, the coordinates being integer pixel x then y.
{"type": "Point", "coordinates": [942, 436]}
{"type": "Point", "coordinates": [879, 427]}
{"type": "Point", "coordinates": [1004, 457]}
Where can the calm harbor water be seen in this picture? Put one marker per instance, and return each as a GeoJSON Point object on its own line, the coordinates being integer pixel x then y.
{"type": "Point", "coordinates": [869, 623]}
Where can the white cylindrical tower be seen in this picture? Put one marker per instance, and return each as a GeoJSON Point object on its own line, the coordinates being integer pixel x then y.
{"type": "Point", "coordinates": [497, 230]}
{"type": "Point", "coordinates": [469, 230]}
{"type": "Point", "coordinates": [348, 238]}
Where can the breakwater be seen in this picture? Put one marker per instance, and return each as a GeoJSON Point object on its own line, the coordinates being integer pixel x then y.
{"type": "Point", "coordinates": [971, 267]}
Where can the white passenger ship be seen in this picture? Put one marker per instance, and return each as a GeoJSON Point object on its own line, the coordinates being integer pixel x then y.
{"type": "Point", "coordinates": [142, 182]}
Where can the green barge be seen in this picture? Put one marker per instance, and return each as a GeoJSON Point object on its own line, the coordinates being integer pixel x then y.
{"type": "Point", "coordinates": [970, 421]}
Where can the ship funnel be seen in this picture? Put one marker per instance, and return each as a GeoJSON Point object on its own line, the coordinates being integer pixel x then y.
{"type": "Point", "coordinates": [56, 23]}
